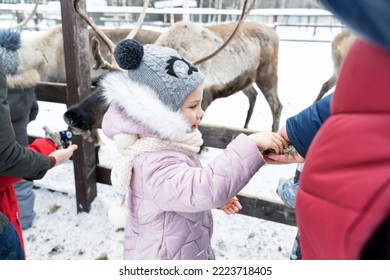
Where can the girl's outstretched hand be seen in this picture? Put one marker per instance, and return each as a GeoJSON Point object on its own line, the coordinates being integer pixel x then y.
{"type": "Point", "coordinates": [269, 141]}
{"type": "Point", "coordinates": [288, 155]}
{"type": "Point", "coordinates": [232, 206]}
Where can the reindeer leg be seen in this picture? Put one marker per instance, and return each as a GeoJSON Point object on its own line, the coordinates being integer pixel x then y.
{"type": "Point", "coordinates": [251, 93]}
{"type": "Point", "coordinates": [268, 88]}
{"type": "Point", "coordinates": [326, 86]}
{"type": "Point", "coordinates": [276, 107]}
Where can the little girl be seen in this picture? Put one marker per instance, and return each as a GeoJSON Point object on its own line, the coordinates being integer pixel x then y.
{"type": "Point", "coordinates": [153, 117]}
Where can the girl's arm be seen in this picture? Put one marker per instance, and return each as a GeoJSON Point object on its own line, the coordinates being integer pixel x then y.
{"type": "Point", "coordinates": [176, 186]}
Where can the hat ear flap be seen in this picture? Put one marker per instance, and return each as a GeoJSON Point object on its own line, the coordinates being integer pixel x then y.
{"type": "Point", "coordinates": [128, 54]}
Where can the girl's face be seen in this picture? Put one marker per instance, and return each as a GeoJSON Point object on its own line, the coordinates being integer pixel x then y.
{"type": "Point", "coordinates": [191, 107]}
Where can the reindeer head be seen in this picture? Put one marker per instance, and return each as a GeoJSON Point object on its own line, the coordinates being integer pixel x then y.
{"type": "Point", "coordinates": [86, 115]}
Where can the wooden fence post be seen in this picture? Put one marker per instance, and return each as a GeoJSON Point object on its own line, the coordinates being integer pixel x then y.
{"type": "Point", "coordinates": [76, 49]}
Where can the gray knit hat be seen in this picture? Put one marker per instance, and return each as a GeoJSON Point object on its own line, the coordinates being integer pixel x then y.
{"type": "Point", "coordinates": [160, 68]}
{"type": "Point", "coordinates": [9, 44]}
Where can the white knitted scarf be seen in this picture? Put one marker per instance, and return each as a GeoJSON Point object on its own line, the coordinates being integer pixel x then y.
{"type": "Point", "coordinates": [131, 146]}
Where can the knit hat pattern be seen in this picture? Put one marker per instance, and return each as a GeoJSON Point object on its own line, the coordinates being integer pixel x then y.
{"type": "Point", "coordinates": [162, 69]}
{"type": "Point", "coordinates": [9, 44]}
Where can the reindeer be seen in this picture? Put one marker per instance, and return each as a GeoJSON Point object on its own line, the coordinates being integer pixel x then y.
{"type": "Point", "coordinates": [340, 47]}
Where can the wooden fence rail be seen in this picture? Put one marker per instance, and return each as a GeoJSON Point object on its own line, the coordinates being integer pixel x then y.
{"type": "Point", "coordinates": [213, 136]}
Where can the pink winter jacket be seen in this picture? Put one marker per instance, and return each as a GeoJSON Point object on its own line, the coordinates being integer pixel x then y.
{"type": "Point", "coordinates": [172, 194]}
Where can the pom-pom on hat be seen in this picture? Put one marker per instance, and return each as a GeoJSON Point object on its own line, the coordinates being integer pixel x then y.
{"type": "Point", "coordinates": [9, 44]}
{"type": "Point", "coordinates": [162, 69]}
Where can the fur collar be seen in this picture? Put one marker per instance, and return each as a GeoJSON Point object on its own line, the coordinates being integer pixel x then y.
{"type": "Point", "coordinates": [141, 103]}
{"type": "Point", "coordinates": [23, 79]}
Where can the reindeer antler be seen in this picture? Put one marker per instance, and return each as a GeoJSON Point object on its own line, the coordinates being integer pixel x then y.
{"type": "Point", "coordinates": [244, 14]}
{"type": "Point", "coordinates": [26, 20]}
{"type": "Point", "coordinates": [140, 20]}
{"type": "Point", "coordinates": [95, 45]}
{"type": "Point", "coordinates": [100, 61]}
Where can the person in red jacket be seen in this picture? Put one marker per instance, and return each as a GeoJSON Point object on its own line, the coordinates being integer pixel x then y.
{"type": "Point", "coordinates": [8, 200]}
{"type": "Point", "coordinates": [342, 207]}
{"type": "Point", "coordinates": [15, 159]}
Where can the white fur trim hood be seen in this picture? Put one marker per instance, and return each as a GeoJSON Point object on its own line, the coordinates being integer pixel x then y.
{"type": "Point", "coordinates": [141, 104]}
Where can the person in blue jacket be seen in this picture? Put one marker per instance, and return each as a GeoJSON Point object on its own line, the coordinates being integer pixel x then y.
{"type": "Point", "coordinates": [300, 131]}
{"type": "Point", "coordinates": [369, 20]}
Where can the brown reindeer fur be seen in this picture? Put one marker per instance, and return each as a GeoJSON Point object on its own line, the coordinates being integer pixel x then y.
{"type": "Point", "coordinates": [250, 57]}
{"type": "Point", "coordinates": [340, 47]}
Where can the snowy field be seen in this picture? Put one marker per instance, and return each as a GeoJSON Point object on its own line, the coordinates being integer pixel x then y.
{"type": "Point", "coordinates": [60, 233]}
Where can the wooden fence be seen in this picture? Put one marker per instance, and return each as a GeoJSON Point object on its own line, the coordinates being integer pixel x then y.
{"type": "Point", "coordinates": [213, 136]}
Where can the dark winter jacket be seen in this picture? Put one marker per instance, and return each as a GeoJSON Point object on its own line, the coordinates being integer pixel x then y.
{"type": "Point", "coordinates": [302, 127]}
{"type": "Point", "coordinates": [23, 106]}
{"type": "Point", "coordinates": [22, 101]}
{"type": "Point", "coordinates": [15, 160]}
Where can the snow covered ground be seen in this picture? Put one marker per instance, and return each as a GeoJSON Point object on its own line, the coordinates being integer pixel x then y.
{"type": "Point", "coordinates": [59, 232]}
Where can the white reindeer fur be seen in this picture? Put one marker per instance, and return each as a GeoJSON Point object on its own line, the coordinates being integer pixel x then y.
{"type": "Point", "coordinates": [44, 51]}
{"type": "Point", "coordinates": [141, 104]}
